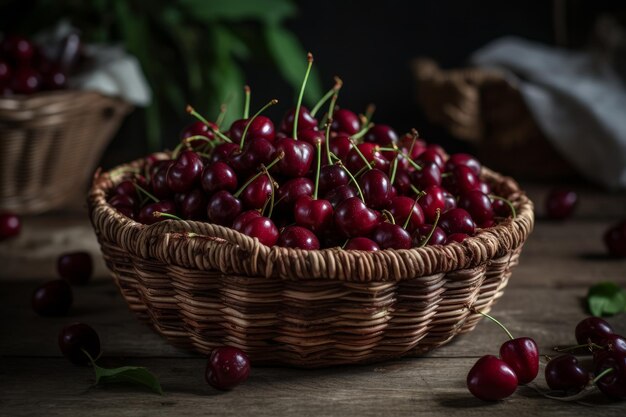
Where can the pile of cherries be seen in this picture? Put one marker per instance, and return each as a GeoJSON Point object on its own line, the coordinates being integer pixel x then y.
{"type": "Point", "coordinates": [314, 183]}
{"type": "Point", "coordinates": [25, 69]}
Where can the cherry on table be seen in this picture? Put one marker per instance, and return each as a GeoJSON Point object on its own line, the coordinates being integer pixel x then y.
{"type": "Point", "coordinates": [613, 343]}
{"type": "Point", "coordinates": [491, 379]}
{"type": "Point", "coordinates": [613, 384]}
{"type": "Point", "coordinates": [353, 218]}
{"type": "Point", "coordinates": [10, 225]}
{"type": "Point", "coordinates": [75, 267]}
{"type": "Point", "coordinates": [54, 298]}
{"type": "Point", "coordinates": [227, 367]}
{"type": "Point", "coordinates": [564, 373]}
{"type": "Point", "coordinates": [592, 329]}
{"type": "Point", "coordinates": [362, 243]}
{"type": "Point", "coordinates": [76, 337]}
{"type": "Point", "coordinates": [522, 355]}
{"type": "Point", "coordinates": [615, 240]}
{"type": "Point", "coordinates": [391, 236]}
{"type": "Point", "coordinates": [298, 237]}
{"type": "Point", "coordinates": [223, 208]}
{"type": "Point", "coordinates": [560, 204]}
{"type": "Point", "coordinates": [263, 229]}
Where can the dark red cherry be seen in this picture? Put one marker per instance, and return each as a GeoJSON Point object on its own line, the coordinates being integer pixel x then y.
{"type": "Point", "coordinates": [332, 176]}
{"type": "Point", "coordinates": [53, 78]}
{"type": "Point", "coordinates": [501, 208]}
{"type": "Point", "coordinates": [26, 81]}
{"type": "Point", "coordinates": [615, 240]}
{"type": "Point", "coordinates": [127, 211]}
{"type": "Point", "coordinates": [371, 152]}
{"type": "Point", "coordinates": [403, 181]}
{"type": "Point", "coordinates": [76, 338]}
{"type": "Point", "coordinates": [457, 221]}
{"type": "Point", "coordinates": [128, 188]}
{"type": "Point", "coordinates": [433, 200]}
{"type": "Point", "coordinates": [463, 159]}
{"type": "Point", "coordinates": [391, 236]}
{"type": "Point", "coordinates": [382, 135]}
{"type": "Point", "coordinates": [491, 379]}
{"type": "Point", "coordinates": [478, 205]}
{"type": "Point", "coordinates": [193, 205]}
{"type": "Point", "coordinates": [292, 190]}
{"type": "Point", "coordinates": [461, 180]}
{"type": "Point", "coordinates": [75, 267]}
{"type": "Point", "coordinates": [353, 218]}
{"type": "Point", "coordinates": [298, 156]}
{"type": "Point", "coordinates": [522, 355]}
{"type": "Point", "coordinates": [345, 121]}
{"type": "Point", "coordinates": [401, 207]}
{"type": "Point", "coordinates": [159, 183]}
{"type": "Point", "coordinates": [613, 384]}
{"type": "Point", "coordinates": [240, 222]}
{"type": "Point", "coordinates": [340, 145]}
{"type": "Point", "coordinates": [185, 173]}
{"type": "Point", "coordinates": [416, 146]}
{"type": "Point", "coordinates": [340, 194]}
{"type": "Point", "coordinates": [223, 152]}
{"type": "Point", "coordinates": [217, 177]}
{"type": "Point", "coordinates": [198, 128]}
{"type": "Point", "coordinates": [564, 373]}
{"type": "Point", "coordinates": [227, 368]}
{"type": "Point", "coordinates": [421, 233]}
{"type": "Point", "coordinates": [430, 155]}
{"type": "Point", "coordinates": [429, 175]}
{"type": "Point", "coordinates": [376, 188]}
{"type": "Point", "coordinates": [54, 298]}
{"type": "Point", "coordinates": [223, 208]}
{"type": "Point", "coordinates": [10, 225]}
{"type": "Point", "coordinates": [256, 151]}
{"type": "Point", "coordinates": [312, 136]}
{"type": "Point", "coordinates": [18, 49]}
{"type": "Point", "coordinates": [146, 214]}
{"type": "Point", "coordinates": [263, 229]}
{"type": "Point", "coordinates": [257, 192]}
{"type": "Point", "coordinates": [456, 237]}
{"type": "Point", "coordinates": [298, 237]}
{"type": "Point", "coordinates": [362, 243]}
{"type": "Point", "coordinates": [316, 215]}
{"type": "Point", "coordinates": [305, 120]}
{"type": "Point", "coordinates": [450, 200]}
{"type": "Point", "coordinates": [121, 200]}
{"type": "Point", "coordinates": [5, 72]}
{"type": "Point", "coordinates": [560, 204]}
{"type": "Point", "coordinates": [613, 343]}
{"type": "Point", "coordinates": [261, 127]}
{"type": "Point", "coordinates": [484, 187]}
{"type": "Point", "coordinates": [592, 329]}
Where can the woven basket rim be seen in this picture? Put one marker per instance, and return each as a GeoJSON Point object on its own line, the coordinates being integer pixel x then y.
{"type": "Point", "coordinates": [55, 94]}
{"type": "Point", "coordinates": [204, 246]}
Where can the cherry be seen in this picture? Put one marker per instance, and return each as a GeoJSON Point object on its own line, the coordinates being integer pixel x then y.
{"type": "Point", "coordinates": [256, 151]}
{"type": "Point", "coordinates": [560, 204]}
{"type": "Point", "coordinates": [478, 205]}
{"type": "Point", "coordinates": [298, 237]}
{"type": "Point", "coordinates": [613, 383]}
{"type": "Point", "coordinates": [564, 373]}
{"type": "Point", "coordinates": [592, 329]}
{"type": "Point", "coordinates": [413, 145]}
{"type": "Point", "coordinates": [457, 221]}
{"type": "Point", "coordinates": [223, 152]}
{"type": "Point", "coordinates": [127, 211]}
{"type": "Point", "coordinates": [422, 231]}
{"type": "Point", "coordinates": [241, 220]}
{"type": "Point", "coordinates": [463, 159]}
{"type": "Point", "coordinates": [311, 136]}
{"type": "Point", "coordinates": [5, 72]}
{"type": "Point", "coordinates": [403, 181]}
{"type": "Point", "coordinates": [341, 146]}
{"type": "Point", "coordinates": [128, 188]}
{"type": "Point", "coordinates": [501, 208]}
{"type": "Point", "coordinates": [450, 200]}
{"type": "Point", "coordinates": [53, 78]}
{"type": "Point", "coordinates": [340, 194]}
{"type": "Point", "coordinates": [456, 237]}
{"type": "Point", "coordinates": [522, 355]}
{"type": "Point", "coordinates": [491, 379]}
{"type": "Point", "coordinates": [185, 172]}
{"type": "Point", "coordinates": [433, 200]}
{"type": "Point", "coordinates": [391, 236]}
{"type": "Point", "coordinates": [121, 200]}
{"type": "Point", "coordinates": [429, 175]}
{"type": "Point", "coordinates": [305, 120]}
{"type": "Point", "coordinates": [260, 127]}
{"type": "Point", "coordinates": [292, 190]}
{"type": "Point", "coordinates": [10, 225]}
{"type": "Point", "coordinates": [613, 343]}
{"type": "Point", "coordinates": [376, 188]}
{"type": "Point", "coordinates": [345, 121]}
{"type": "Point", "coordinates": [146, 214]}
{"type": "Point", "coordinates": [430, 155]}
{"type": "Point", "coordinates": [223, 208]}
{"type": "Point", "coordinates": [217, 177]}
{"type": "Point", "coordinates": [402, 207]}
{"type": "Point", "coordinates": [18, 48]}
{"type": "Point", "coordinates": [263, 229]}
{"type": "Point", "coordinates": [615, 240]}
{"type": "Point", "coordinates": [193, 205]}
{"type": "Point", "coordinates": [26, 81]}
{"type": "Point", "coordinates": [362, 243]}
{"type": "Point", "coordinates": [76, 338]}
{"type": "Point", "coordinates": [382, 135]}
{"type": "Point", "coordinates": [371, 152]}
{"type": "Point", "coordinates": [484, 187]}
{"type": "Point", "coordinates": [199, 128]}
{"type": "Point", "coordinates": [354, 219]}
{"type": "Point", "coordinates": [159, 183]}
{"type": "Point", "coordinates": [314, 214]}
{"type": "Point", "coordinates": [75, 267]}
{"type": "Point", "coordinates": [332, 176]}
{"type": "Point", "coordinates": [298, 156]}
{"type": "Point", "coordinates": [227, 367]}
{"type": "Point", "coordinates": [54, 298]}
{"type": "Point", "coordinates": [256, 193]}
{"type": "Point", "coordinates": [461, 180]}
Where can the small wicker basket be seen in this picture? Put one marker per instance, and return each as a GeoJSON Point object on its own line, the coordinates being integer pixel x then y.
{"type": "Point", "coordinates": [50, 144]}
{"type": "Point", "coordinates": [287, 306]}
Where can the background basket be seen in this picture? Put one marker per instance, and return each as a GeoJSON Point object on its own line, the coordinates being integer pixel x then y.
{"type": "Point", "coordinates": [50, 144]}
{"type": "Point", "coordinates": [304, 308]}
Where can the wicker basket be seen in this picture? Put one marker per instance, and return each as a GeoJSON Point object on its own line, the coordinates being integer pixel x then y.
{"type": "Point", "coordinates": [304, 308]}
{"type": "Point", "coordinates": [50, 144]}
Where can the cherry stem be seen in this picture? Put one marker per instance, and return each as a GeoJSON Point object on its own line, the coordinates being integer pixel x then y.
{"type": "Point", "coordinates": [413, 142]}
{"type": "Point", "coordinates": [220, 117]}
{"type": "Point", "coordinates": [362, 132]}
{"type": "Point", "coordinates": [430, 234]}
{"type": "Point", "coordinates": [358, 151]}
{"type": "Point", "coordinates": [404, 155]}
{"type": "Point", "coordinates": [246, 104]}
{"type": "Point", "coordinates": [264, 169]}
{"type": "Point", "coordinates": [318, 146]}
{"type": "Point", "coordinates": [508, 202]}
{"type": "Point", "coordinates": [495, 321]}
{"type": "Point", "coordinates": [359, 173]}
{"type": "Point", "coordinates": [591, 346]}
{"type": "Point", "coordinates": [166, 215]}
{"type": "Point", "coordinates": [271, 199]}
{"type": "Point", "coordinates": [602, 375]}
{"type": "Point", "coordinates": [309, 58]}
{"type": "Point", "coordinates": [216, 132]}
{"type": "Point", "coordinates": [369, 112]}
{"type": "Point", "coordinates": [92, 360]}
{"type": "Point", "coordinates": [145, 192]}
{"type": "Point", "coordinates": [249, 122]}
{"type": "Point", "coordinates": [196, 138]}
{"type": "Point", "coordinates": [414, 189]}
{"type": "Point", "coordinates": [327, 96]}
{"type": "Point", "coordinates": [389, 216]}
{"type": "Point", "coordinates": [394, 168]}
{"type": "Point", "coordinates": [408, 219]}
{"type": "Point", "coordinates": [329, 122]}
{"type": "Point", "coordinates": [358, 188]}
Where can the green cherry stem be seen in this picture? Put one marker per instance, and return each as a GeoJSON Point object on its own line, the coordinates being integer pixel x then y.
{"type": "Point", "coordinates": [296, 116]}
{"type": "Point", "coordinates": [389, 216]}
{"type": "Point", "coordinates": [404, 155]}
{"type": "Point", "coordinates": [220, 117]}
{"type": "Point", "coordinates": [200, 138]}
{"type": "Point", "coordinates": [437, 215]}
{"type": "Point", "coordinates": [358, 151]}
{"type": "Point", "coordinates": [602, 375]}
{"type": "Point", "coordinates": [362, 132]}
{"type": "Point", "coordinates": [246, 104]}
{"type": "Point", "coordinates": [415, 135]}
{"type": "Point", "coordinates": [358, 188]}
{"type": "Point", "coordinates": [318, 146]}
{"type": "Point", "coordinates": [258, 174]}
{"type": "Point", "coordinates": [145, 192]}
{"type": "Point", "coordinates": [408, 219]}
{"type": "Point", "coordinates": [508, 202]}
{"type": "Point", "coordinates": [327, 96]}
{"type": "Point", "coordinates": [360, 172]}
{"type": "Point", "coordinates": [329, 122]}
{"type": "Point", "coordinates": [249, 122]}
{"type": "Point", "coordinates": [394, 169]}
{"type": "Point", "coordinates": [198, 116]}
{"type": "Point", "coordinates": [166, 215]}
{"type": "Point", "coordinates": [369, 113]}
{"type": "Point", "coordinates": [494, 320]}
{"type": "Point", "coordinates": [591, 346]}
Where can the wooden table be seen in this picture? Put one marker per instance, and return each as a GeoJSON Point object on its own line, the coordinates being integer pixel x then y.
{"type": "Point", "coordinates": [544, 300]}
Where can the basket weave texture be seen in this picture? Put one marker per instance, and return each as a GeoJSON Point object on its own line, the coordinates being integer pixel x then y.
{"type": "Point", "coordinates": [50, 144]}
{"type": "Point", "coordinates": [201, 286]}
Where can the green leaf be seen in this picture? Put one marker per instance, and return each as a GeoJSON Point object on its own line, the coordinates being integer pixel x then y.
{"type": "Point", "coordinates": [238, 10]}
{"type": "Point", "coordinates": [135, 375]}
{"type": "Point", "coordinates": [606, 298]}
{"type": "Point", "coordinates": [290, 58]}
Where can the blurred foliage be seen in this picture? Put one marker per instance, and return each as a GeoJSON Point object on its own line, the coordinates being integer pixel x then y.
{"type": "Point", "coordinates": [190, 50]}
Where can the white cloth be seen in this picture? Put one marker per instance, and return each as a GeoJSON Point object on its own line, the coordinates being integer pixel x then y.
{"type": "Point", "coordinates": [578, 101]}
